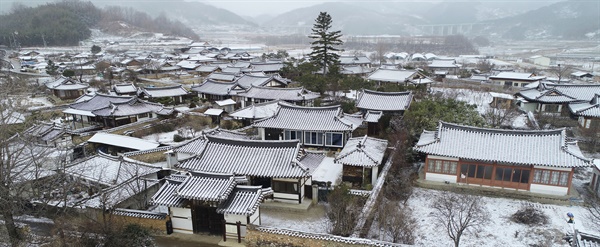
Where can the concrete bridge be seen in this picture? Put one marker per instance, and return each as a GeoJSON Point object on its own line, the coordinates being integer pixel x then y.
{"type": "Point", "coordinates": [450, 29]}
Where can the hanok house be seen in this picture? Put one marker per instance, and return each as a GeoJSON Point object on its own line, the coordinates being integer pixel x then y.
{"type": "Point", "coordinates": [554, 98]}
{"type": "Point", "coordinates": [595, 183]}
{"type": "Point", "coordinates": [296, 96]}
{"type": "Point", "coordinates": [588, 113]}
{"type": "Point", "coordinates": [114, 144]}
{"type": "Point", "coordinates": [514, 79]}
{"type": "Point", "coordinates": [67, 88]}
{"type": "Point", "coordinates": [275, 164]}
{"type": "Point", "coordinates": [361, 159]}
{"type": "Point", "coordinates": [247, 81]}
{"type": "Point", "coordinates": [256, 111]}
{"type": "Point", "coordinates": [386, 102]}
{"type": "Point", "coordinates": [176, 93]}
{"type": "Point", "coordinates": [125, 89]}
{"type": "Point", "coordinates": [319, 127]}
{"type": "Point", "coordinates": [538, 161]}
{"type": "Point", "coordinates": [112, 111]}
{"type": "Point", "coordinates": [211, 202]}
{"type": "Point", "coordinates": [49, 134]}
{"type": "Point", "coordinates": [393, 76]}
{"type": "Point", "coordinates": [213, 90]}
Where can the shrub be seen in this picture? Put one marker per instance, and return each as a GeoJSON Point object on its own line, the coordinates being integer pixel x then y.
{"type": "Point", "coordinates": [178, 138]}
{"type": "Point", "coordinates": [530, 216]}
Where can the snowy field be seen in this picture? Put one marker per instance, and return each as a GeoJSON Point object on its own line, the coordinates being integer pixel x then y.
{"type": "Point", "coordinates": [313, 220]}
{"type": "Point", "coordinates": [500, 230]}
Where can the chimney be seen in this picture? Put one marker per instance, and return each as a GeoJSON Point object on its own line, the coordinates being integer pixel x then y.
{"type": "Point", "coordinates": [171, 159]}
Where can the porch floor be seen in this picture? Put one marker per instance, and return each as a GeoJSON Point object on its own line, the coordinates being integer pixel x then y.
{"type": "Point", "coordinates": [270, 204]}
{"type": "Point", "coordinates": [572, 198]}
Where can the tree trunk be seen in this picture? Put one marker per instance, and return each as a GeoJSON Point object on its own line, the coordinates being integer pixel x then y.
{"type": "Point", "coordinates": [457, 240]}
{"type": "Point", "coordinates": [11, 228]}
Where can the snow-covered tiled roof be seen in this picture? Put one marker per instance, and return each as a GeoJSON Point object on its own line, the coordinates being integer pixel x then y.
{"type": "Point", "coordinates": [516, 76]}
{"type": "Point", "coordinates": [392, 75]}
{"type": "Point", "coordinates": [587, 109]}
{"type": "Point", "coordinates": [363, 151]}
{"type": "Point", "coordinates": [215, 88]}
{"type": "Point", "coordinates": [192, 146]}
{"type": "Point", "coordinates": [64, 83]}
{"type": "Point", "coordinates": [231, 70]}
{"type": "Point", "coordinates": [133, 107]}
{"type": "Point", "coordinates": [124, 88]}
{"type": "Point", "coordinates": [519, 147]}
{"type": "Point", "coordinates": [170, 91]}
{"type": "Point", "coordinates": [312, 160]}
{"type": "Point", "coordinates": [166, 194]}
{"type": "Point", "coordinates": [347, 60]}
{"type": "Point", "coordinates": [213, 112]}
{"type": "Point", "coordinates": [221, 77]}
{"type": "Point", "coordinates": [247, 81]}
{"type": "Point", "coordinates": [123, 141]}
{"type": "Point", "coordinates": [225, 102]}
{"type": "Point", "coordinates": [277, 159]}
{"type": "Point", "coordinates": [109, 170]}
{"type": "Point", "coordinates": [207, 68]}
{"type": "Point", "coordinates": [114, 195]}
{"type": "Point", "coordinates": [257, 111]}
{"type": "Point", "coordinates": [267, 67]}
{"type": "Point", "coordinates": [205, 186]}
{"type": "Point", "coordinates": [354, 70]}
{"type": "Point", "coordinates": [443, 64]}
{"type": "Point", "coordinates": [384, 101]}
{"type": "Point", "coordinates": [502, 95]}
{"type": "Point", "coordinates": [139, 214]}
{"type": "Point", "coordinates": [560, 93]}
{"type": "Point", "coordinates": [373, 116]}
{"type": "Point", "coordinates": [244, 200]}
{"type": "Point", "coordinates": [275, 93]}
{"type": "Point", "coordinates": [99, 101]}
{"type": "Point", "coordinates": [294, 117]}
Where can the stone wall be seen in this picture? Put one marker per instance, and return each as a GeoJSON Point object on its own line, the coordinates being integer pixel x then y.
{"type": "Point", "coordinates": [273, 237]}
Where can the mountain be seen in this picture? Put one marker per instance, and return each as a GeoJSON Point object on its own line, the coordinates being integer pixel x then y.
{"type": "Point", "coordinates": [349, 18]}
{"type": "Point", "coordinates": [190, 13]}
{"type": "Point", "coordinates": [562, 20]}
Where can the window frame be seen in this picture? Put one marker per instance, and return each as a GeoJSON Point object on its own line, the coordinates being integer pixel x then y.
{"type": "Point", "coordinates": [308, 138]}
{"type": "Point", "coordinates": [562, 177]}
{"type": "Point", "coordinates": [285, 187]}
{"type": "Point", "coordinates": [329, 139]}
{"type": "Point", "coordinates": [445, 166]}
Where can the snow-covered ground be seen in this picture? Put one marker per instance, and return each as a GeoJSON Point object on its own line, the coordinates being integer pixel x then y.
{"type": "Point", "coordinates": [481, 99]}
{"type": "Point", "coordinates": [500, 230]}
{"type": "Point", "coordinates": [312, 220]}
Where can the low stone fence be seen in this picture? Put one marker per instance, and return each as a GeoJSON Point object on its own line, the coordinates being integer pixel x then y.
{"type": "Point", "coordinates": [155, 222]}
{"type": "Point", "coordinates": [275, 237]}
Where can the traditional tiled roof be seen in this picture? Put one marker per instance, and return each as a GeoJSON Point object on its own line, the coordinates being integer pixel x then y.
{"type": "Point", "coordinates": [133, 107]}
{"type": "Point", "coordinates": [139, 214]}
{"type": "Point", "coordinates": [244, 200]}
{"type": "Point", "coordinates": [222, 77]}
{"type": "Point", "coordinates": [519, 147]}
{"type": "Point", "coordinates": [247, 81]}
{"type": "Point", "coordinates": [231, 70]}
{"type": "Point", "coordinates": [64, 83]}
{"type": "Point", "coordinates": [373, 116]}
{"type": "Point", "coordinates": [345, 60]}
{"type": "Point", "coordinates": [363, 151]}
{"type": "Point", "coordinates": [158, 92]}
{"type": "Point", "coordinates": [392, 75]}
{"type": "Point", "coordinates": [516, 76]}
{"type": "Point", "coordinates": [192, 146]}
{"type": "Point", "coordinates": [124, 88]}
{"type": "Point", "coordinates": [587, 109]}
{"type": "Point", "coordinates": [293, 117]}
{"type": "Point", "coordinates": [247, 157]}
{"type": "Point", "coordinates": [275, 93]}
{"type": "Point", "coordinates": [99, 101]}
{"type": "Point", "coordinates": [267, 67]}
{"type": "Point", "coordinates": [384, 101]}
{"type": "Point", "coordinates": [312, 160]}
{"type": "Point", "coordinates": [207, 68]}
{"type": "Point", "coordinates": [112, 196]}
{"type": "Point", "coordinates": [204, 186]}
{"type": "Point", "coordinates": [215, 88]}
{"type": "Point", "coordinates": [109, 170]}
{"type": "Point", "coordinates": [257, 111]}
{"type": "Point", "coordinates": [166, 194]}
{"type": "Point", "coordinates": [123, 141]}
{"type": "Point", "coordinates": [328, 237]}
{"type": "Point", "coordinates": [560, 93]}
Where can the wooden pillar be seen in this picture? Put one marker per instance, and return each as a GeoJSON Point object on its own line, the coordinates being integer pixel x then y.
{"type": "Point", "coordinates": [239, 232]}
{"type": "Point", "coordinates": [224, 230]}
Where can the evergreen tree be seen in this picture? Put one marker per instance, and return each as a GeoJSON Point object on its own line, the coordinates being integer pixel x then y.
{"type": "Point", "coordinates": [323, 47]}
{"type": "Point", "coordinates": [96, 49]}
{"type": "Point", "coordinates": [51, 68]}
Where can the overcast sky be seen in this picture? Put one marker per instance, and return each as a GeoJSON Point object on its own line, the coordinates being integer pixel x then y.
{"type": "Point", "coordinates": [259, 7]}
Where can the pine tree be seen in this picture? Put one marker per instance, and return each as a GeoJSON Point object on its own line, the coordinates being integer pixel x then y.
{"type": "Point", "coordinates": [323, 47]}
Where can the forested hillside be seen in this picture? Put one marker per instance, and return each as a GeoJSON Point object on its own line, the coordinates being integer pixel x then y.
{"type": "Point", "coordinates": [68, 22]}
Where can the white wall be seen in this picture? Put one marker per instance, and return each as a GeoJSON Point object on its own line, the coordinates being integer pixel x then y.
{"type": "Point", "coordinates": [549, 189]}
{"type": "Point", "coordinates": [231, 228]}
{"type": "Point", "coordinates": [440, 177]}
{"type": "Point", "coordinates": [182, 220]}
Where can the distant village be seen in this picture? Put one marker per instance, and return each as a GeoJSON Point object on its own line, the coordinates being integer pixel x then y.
{"type": "Point", "coordinates": [184, 137]}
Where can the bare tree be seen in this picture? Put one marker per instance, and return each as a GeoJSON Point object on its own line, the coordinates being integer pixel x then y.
{"type": "Point", "coordinates": [594, 210]}
{"type": "Point", "coordinates": [561, 71]}
{"type": "Point", "coordinates": [501, 114]}
{"type": "Point", "coordinates": [343, 210]}
{"type": "Point", "coordinates": [484, 66]}
{"type": "Point", "coordinates": [396, 222]}
{"type": "Point", "coordinates": [458, 213]}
